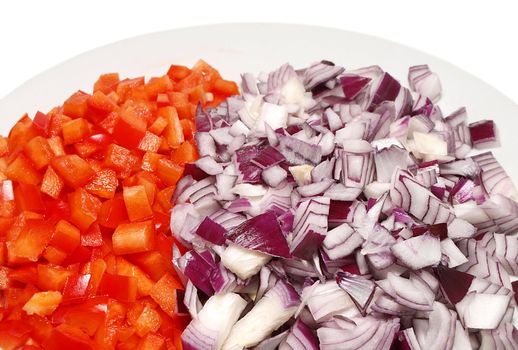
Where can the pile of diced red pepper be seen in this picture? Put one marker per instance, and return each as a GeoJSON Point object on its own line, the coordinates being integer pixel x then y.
{"type": "Point", "coordinates": [85, 246]}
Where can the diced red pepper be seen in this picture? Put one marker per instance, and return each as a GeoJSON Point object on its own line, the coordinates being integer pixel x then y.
{"type": "Point", "coordinates": [163, 198]}
{"type": "Point", "coordinates": [26, 274]}
{"type": "Point", "coordinates": [148, 321]}
{"type": "Point", "coordinates": [197, 95]}
{"type": "Point", "coordinates": [103, 184]}
{"type": "Point", "coordinates": [152, 341]}
{"type": "Point", "coordinates": [162, 100]}
{"type": "Point", "coordinates": [56, 145]}
{"type": "Point", "coordinates": [125, 268]}
{"type": "Point", "coordinates": [21, 133]}
{"type": "Point", "coordinates": [66, 237]}
{"type": "Point", "coordinates": [92, 237]}
{"type": "Point", "coordinates": [56, 208]}
{"type": "Point", "coordinates": [186, 153]}
{"type": "Point", "coordinates": [40, 326]}
{"type": "Point", "coordinates": [7, 202]}
{"type": "Point", "coordinates": [148, 180]}
{"type": "Point", "coordinates": [137, 203]}
{"type": "Point", "coordinates": [120, 159]}
{"type": "Point", "coordinates": [76, 105]}
{"type": "Point", "coordinates": [178, 73]}
{"type": "Point", "coordinates": [108, 123]}
{"type": "Point", "coordinates": [168, 171]}
{"type": "Point", "coordinates": [13, 334]}
{"type": "Point", "coordinates": [129, 128]}
{"type": "Point", "coordinates": [104, 162]}
{"type": "Point", "coordinates": [76, 288]}
{"type": "Point", "coordinates": [150, 161]}
{"type": "Point", "coordinates": [122, 288]}
{"type": "Point", "coordinates": [28, 198]}
{"type": "Point", "coordinates": [101, 102]}
{"type": "Point", "coordinates": [150, 142]}
{"type": "Point", "coordinates": [157, 85]}
{"type": "Point", "coordinates": [225, 87]}
{"type": "Point", "coordinates": [22, 171]}
{"type": "Point", "coordinates": [56, 124]}
{"type": "Point", "coordinates": [133, 238]}
{"type": "Point", "coordinates": [153, 263]}
{"type": "Point", "coordinates": [188, 128]}
{"type": "Point", "coordinates": [96, 270]}
{"type": "Point", "coordinates": [173, 131]}
{"type": "Point", "coordinates": [125, 87]}
{"type": "Point", "coordinates": [84, 208]}
{"type": "Point", "coordinates": [52, 184]}
{"type": "Point", "coordinates": [39, 152]}
{"type": "Point", "coordinates": [68, 337]}
{"type": "Point", "coordinates": [33, 240]}
{"type": "Point", "coordinates": [158, 126]}
{"type": "Point", "coordinates": [52, 277]}
{"type": "Point", "coordinates": [41, 121]}
{"type": "Point", "coordinates": [54, 255]}
{"type": "Point", "coordinates": [4, 148]}
{"type": "Point", "coordinates": [74, 170]}
{"type": "Point", "coordinates": [113, 212]}
{"type": "Point", "coordinates": [75, 130]}
{"type": "Point", "coordinates": [87, 316]}
{"type": "Point", "coordinates": [163, 293]}
{"type": "Point", "coordinates": [107, 83]}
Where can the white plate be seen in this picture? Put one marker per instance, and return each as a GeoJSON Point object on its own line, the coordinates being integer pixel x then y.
{"type": "Point", "coordinates": [236, 48]}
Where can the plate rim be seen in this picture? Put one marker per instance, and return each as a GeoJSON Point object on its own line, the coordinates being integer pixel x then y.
{"type": "Point", "coordinates": [252, 24]}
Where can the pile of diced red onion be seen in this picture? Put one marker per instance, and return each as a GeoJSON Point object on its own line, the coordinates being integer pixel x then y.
{"type": "Point", "coordinates": [338, 209]}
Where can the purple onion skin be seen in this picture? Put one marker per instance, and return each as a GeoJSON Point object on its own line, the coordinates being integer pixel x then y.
{"type": "Point", "coordinates": [454, 284]}
{"type": "Point", "coordinates": [352, 85]}
{"type": "Point", "coordinates": [211, 231]}
{"type": "Point", "coordinates": [199, 271]}
{"type": "Point", "coordinates": [387, 91]}
{"type": "Point", "coordinates": [309, 245]}
{"type": "Point", "coordinates": [261, 233]}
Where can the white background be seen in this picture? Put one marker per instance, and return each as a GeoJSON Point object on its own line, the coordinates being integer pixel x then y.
{"type": "Point", "coordinates": [479, 36]}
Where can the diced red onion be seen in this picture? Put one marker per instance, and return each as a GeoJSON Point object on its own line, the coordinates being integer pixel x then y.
{"type": "Point", "coordinates": [338, 192]}
{"type": "Point", "coordinates": [319, 73]}
{"type": "Point", "coordinates": [341, 241]}
{"type": "Point", "coordinates": [352, 85]}
{"type": "Point", "coordinates": [418, 252]}
{"type": "Point", "coordinates": [359, 288]}
{"type": "Point", "coordinates": [261, 233]}
{"type": "Point", "coordinates": [279, 303]}
{"type": "Point", "coordinates": [494, 177]}
{"type": "Point", "coordinates": [205, 334]}
{"type": "Point", "coordinates": [333, 120]}
{"type": "Point", "coordinates": [314, 174]}
{"type": "Point", "coordinates": [387, 89]}
{"type": "Point", "coordinates": [357, 163]}
{"type": "Point", "coordinates": [484, 134]}
{"type": "Point", "coordinates": [211, 231]}
{"type": "Point", "coordinates": [424, 82]}
{"type": "Point", "coordinates": [310, 226]}
{"type": "Point", "coordinates": [299, 152]}
{"type": "Point", "coordinates": [301, 337]}
{"type": "Point", "coordinates": [368, 333]}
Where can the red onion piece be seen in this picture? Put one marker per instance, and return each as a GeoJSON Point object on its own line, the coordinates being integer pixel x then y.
{"type": "Point", "coordinates": [484, 134]}
{"type": "Point", "coordinates": [261, 233]}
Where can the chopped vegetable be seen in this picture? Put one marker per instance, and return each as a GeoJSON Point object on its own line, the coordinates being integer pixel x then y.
{"type": "Point", "coordinates": [214, 322]}
{"type": "Point", "coordinates": [275, 308]}
{"type": "Point", "coordinates": [85, 201]}
{"type": "Point", "coordinates": [346, 212]}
